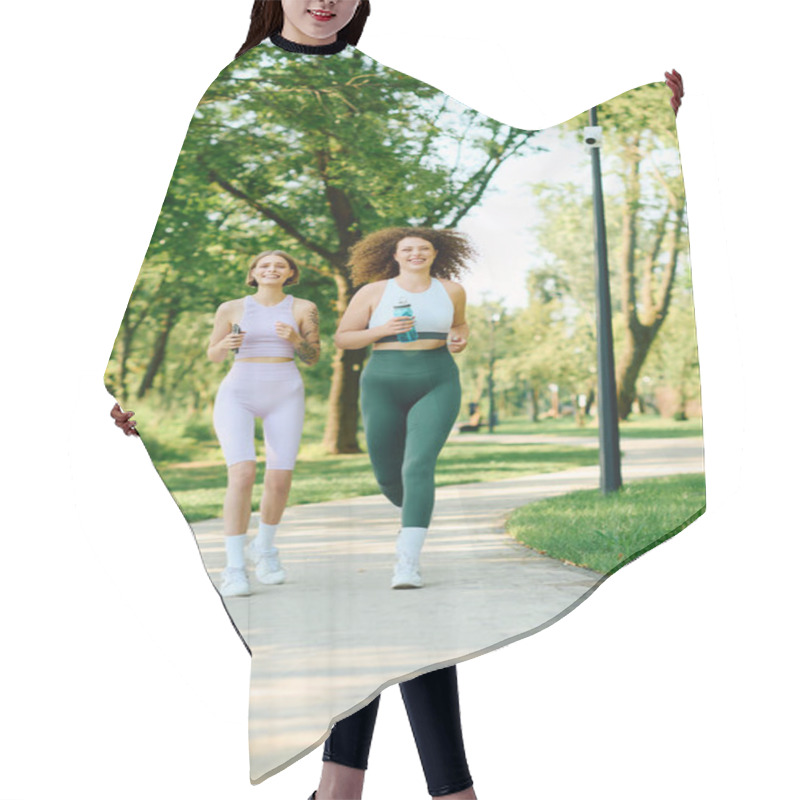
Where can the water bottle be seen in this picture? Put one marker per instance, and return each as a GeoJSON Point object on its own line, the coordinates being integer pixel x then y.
{"type": "Point", "coordinates": [402, 308]}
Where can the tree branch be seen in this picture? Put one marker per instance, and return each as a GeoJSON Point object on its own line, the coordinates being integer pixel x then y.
{"type": "Point", "coordinates": [271, 214]}
{"type": "Point", "coordinates": [649, 263]}
{"type": "Point", "coordinates": [433, 130]}
{"type": "Point", "coordinates": [672, 198]}
{"type": "Point", "coordinates": [344, 219]}
{"type": "Point", "coordinates": [473, 189]}
{"type": "Point", "coordinates": [668, 278]}
{"type": "Point", "coordinates": [629, 222]}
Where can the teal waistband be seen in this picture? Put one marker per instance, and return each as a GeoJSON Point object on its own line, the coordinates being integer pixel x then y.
{"type": "Point", "coordinates": [423, 335]}
{"type": "Point", "coordinates": [438, 361]}
{"type": "Point", "coordinates": [436, 357]}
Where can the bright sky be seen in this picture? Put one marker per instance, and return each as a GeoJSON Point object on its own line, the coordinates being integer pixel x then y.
{"type": "Point", "coordinates": [501, 226]}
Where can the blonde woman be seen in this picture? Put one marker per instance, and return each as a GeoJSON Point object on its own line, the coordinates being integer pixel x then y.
{"type": "Point", "coordinates": [263, 331]}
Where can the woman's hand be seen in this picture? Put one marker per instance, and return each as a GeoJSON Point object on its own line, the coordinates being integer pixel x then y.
{"type": "Point", "coordinates": [397, 325]}
{"type": "Point", "coordinates": [233, 341]}
{"type": "Point", "coordinates": [455, 344]}
{"type": "Point", "coordinates": [288, 332]}
{"type": "Point", "coordinates": [459, 331]}
{"type": "Point", "coordinates": [122, 419]}
{"type": "Point", "coordinates": [675, 83]}
{"type": "Point", "coordinates": [223, 339]}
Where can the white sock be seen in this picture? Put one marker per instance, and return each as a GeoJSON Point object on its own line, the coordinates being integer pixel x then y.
{"type": "Point", "coordinates": [265, 539]}
{"type": "Point", "coordinates": [409, 543]}
{"type": "Point", "coordinates": [234, 549]}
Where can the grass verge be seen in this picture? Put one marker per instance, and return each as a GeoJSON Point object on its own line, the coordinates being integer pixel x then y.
{"type": "Point", "coordinates": [605, 532]}
{"type": "Point", "coordinates": [199, 488]}
{"type": "Point", "coordinates": [647, 426]}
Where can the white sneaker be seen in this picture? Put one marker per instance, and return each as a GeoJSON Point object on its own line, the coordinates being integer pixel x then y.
{"type": "Point", "coordinates": [234, 582]}
{"type": "Point", "coordinates": [406, 575]}
{"type": "Point", "coordinates": [268, 566]}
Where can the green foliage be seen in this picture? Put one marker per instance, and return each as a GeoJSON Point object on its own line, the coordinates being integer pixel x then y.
{"type": "Point", "coordinates": [488, 341]}
{"type": "Point", "coordinates": [640, 115]}
{"type": "Point", "coordinates": [563, 268]}
{"type": "Point", "coordinates": [530, 348]}
{"type": "Point", "coordinates": [199, 431]}
{"type": "Point", "coordinates": [164, 451]}
{"type": "Point", "coordinates": [647, 244]}
{"type": "Point", "coordinates": [306, 155]}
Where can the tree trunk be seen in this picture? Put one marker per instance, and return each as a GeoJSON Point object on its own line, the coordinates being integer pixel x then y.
{"type": "Point", "coordinates": [128, 331]}
{"type": "Point", "coordinates": [640, 333]}
{"type": "Point", "coordinates": [590, 396]}
{"type": "Point", "coordinates": [534, 407]}
{"type": "Point", "coordinates": [341, 428]}
{"type": "Point", "coordinates": [124, 354]}
{"type": "Point", "coordinates": [159, 351]}
{"type": "Point", "coordinates": [638, 339]}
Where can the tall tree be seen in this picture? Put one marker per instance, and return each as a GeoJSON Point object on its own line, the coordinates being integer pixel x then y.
{"type": "Point", "coordinates": [193, 259]}
{"type": "Point", "coordinates": [645, 204]}
{"type": "Point", "coordinates": [672, 361]}
{"type": "Point", "coordinates": [318, 152]}
{"type": "Point", "coordinates": [551, 343]}
{"type": "Point", "coordinates": [641, 134]}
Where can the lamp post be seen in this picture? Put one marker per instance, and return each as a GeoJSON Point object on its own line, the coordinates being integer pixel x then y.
{"type": "Point", "coordinates": [493, 320]}
{"type": "Point", "coordinates": [610, 472]}
{"type": "Point", "coordinates": [555, 404]}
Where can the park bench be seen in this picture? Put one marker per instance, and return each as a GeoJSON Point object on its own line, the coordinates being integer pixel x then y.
{"type": "Point", "coordinates": [473, 424]}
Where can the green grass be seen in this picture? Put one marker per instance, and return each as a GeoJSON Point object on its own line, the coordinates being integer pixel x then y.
{"type": "Point", "coordinates": [604, 532]}
{"type": "Point", "coordinates": [199, 488]}
{"type": "Point", "coordinates": [170, 440]}
{"type": "Point", "coordinates": [639, 427]}
{"type": "Point", "coordinates": [189, 460]}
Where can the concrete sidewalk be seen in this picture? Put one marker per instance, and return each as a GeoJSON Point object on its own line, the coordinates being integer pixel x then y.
{"type": "Point", "coordinates": [334, 635]}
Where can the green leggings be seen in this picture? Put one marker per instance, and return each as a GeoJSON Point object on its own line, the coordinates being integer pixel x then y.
{"type": "Point", "coordinates": [410, 400]}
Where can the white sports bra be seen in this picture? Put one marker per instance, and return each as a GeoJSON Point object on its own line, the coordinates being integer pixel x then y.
{"type": "Point", "coordinates": [432, 309]}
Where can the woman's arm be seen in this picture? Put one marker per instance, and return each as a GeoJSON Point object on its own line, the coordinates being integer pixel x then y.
{"type": "Point", "coordinates": [459, 331]}
{"type": "Point", "coordinates": [222, 340]}
{"type": "Point", "coordinates": [306, 342]}
{"type": "Point", "coordinates": [353, 332]}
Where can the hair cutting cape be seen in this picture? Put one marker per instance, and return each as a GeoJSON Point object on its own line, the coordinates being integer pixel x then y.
{"type": "Point", "coordinates": [309, 153]}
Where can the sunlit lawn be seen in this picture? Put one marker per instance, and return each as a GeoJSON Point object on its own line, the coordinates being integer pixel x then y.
{"type": "Point", "coordinates": [189, 459]}
{"type": "Point", "coordinates": [199, 488]}
{"type": "Point", "coordinates": [603, 532]}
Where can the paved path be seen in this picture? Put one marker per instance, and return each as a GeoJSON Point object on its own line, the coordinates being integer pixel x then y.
{"type": "Point", "coordinates": [334, 635]}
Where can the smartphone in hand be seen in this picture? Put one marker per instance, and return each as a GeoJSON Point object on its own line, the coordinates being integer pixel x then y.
{"type": "Point", "coordinates": [235, 329]}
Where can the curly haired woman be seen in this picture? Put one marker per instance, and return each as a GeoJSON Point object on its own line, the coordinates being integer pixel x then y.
{"type": "Point", "coordinates": [413, 312]}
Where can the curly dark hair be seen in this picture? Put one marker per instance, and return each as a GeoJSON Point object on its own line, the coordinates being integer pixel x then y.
{"type": "Point", "coordinates": [372, 259]}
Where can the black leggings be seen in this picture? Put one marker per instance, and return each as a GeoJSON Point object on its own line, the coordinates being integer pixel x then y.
{"type": "Point", "coordinates": [431, 702]}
